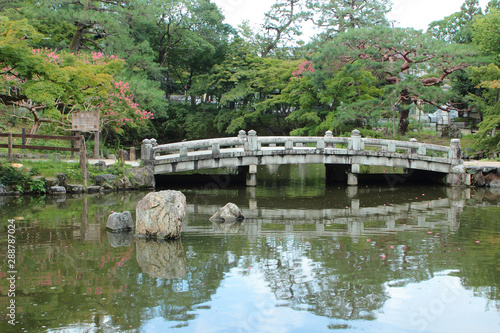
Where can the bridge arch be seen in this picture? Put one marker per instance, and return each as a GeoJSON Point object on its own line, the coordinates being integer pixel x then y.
{"type": "Point", "coordinates": [343, 156]}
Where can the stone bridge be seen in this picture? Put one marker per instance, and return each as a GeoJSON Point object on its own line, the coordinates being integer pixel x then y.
{"type": "Point", "coordinates": [342, 156]}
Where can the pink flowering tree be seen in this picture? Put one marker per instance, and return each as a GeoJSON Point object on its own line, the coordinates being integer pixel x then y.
{"type": "Point", "coordinates": [62, 83]}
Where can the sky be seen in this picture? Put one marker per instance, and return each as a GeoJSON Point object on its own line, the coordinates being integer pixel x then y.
{"type": "Point", "coordinates": [405, 13]}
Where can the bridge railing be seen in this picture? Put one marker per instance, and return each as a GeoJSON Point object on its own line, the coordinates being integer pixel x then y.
{"type": "Point", "coordinates": [251, 143]}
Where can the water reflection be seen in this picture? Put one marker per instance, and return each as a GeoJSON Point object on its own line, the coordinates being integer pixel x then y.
{"type": "Point", "coordinates": [161, 259]}
{"type": "Point", "coordinates": [118, 239]}
{"type": "Point", "coordinates": [320, 259]}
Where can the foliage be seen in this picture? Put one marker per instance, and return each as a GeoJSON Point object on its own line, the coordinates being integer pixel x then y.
{"type": "Point", "coordinates": [20, 179]}
{"type": "Point", "coordinates": [488, 79]}
{"type": "Point", "coordinates": [459, 26]}
{"type": "Point", "coordinates": [486, 35]}
{"type": "Point", "coordinates": [409, 65]}
{"type": "Point", "coordinates": [334, 17]}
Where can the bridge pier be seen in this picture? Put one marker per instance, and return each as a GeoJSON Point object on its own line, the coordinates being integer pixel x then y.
{"type": "Point", "coordinates": [352, 177]}
{"type": "Point", "coordinates": [250, 174]}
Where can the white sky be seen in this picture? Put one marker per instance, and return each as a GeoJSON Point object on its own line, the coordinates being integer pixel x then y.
{"type": "Point", "coordinates": [406, 13]}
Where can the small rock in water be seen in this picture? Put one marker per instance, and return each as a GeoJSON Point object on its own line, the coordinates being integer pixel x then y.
{"type": "Point", "coordinates": [229, 212]}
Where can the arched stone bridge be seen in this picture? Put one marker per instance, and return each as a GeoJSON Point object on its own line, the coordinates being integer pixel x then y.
{"type": "Point", "coordinates": [342, 156]}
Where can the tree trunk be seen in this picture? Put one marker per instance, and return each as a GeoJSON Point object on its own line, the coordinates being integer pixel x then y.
{"type": "Point", "coordinates": [403, 121]}
{"type": "Point", "coordinates": [76, 42]}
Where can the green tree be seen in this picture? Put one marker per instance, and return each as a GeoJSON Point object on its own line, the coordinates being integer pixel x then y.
{"type": "Point", "coordinates": [488, 79]}
{"type": "Point", "coordinates": [186, 37]}
{"type": "Point", "coordinates": [281, 26]}
{"type": "Point", "coordinates": [458, 27]}
{"type": "Point", "coordinates": [96, 22]}
{"type": "Point", "coordinates": [411, 66]}
{"type": "Point", "coordinates": [486, 33]}
{"type": "Point", "coordinates": [333, 17]}
{"type": "Point", "coordinates": [51, 85]}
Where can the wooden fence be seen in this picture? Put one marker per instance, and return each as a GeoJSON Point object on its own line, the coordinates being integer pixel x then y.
{"type": "Point", "coordinates": [79, 146]}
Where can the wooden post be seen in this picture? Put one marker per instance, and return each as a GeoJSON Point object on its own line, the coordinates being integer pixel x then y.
{"type": "Point", "coordinates": [83, 157]}
{"type": "Point", "coordinates": [9, 142]}
{"type": "Point", "coordinates": [121, 157]}
{"type": "Point", "coordinates": [72, 144]}
{"type": "Point", "coordinates": [132, 153]}
{"type": "Point", "coordinates": [23, 139]}
{"type": "Point", "coordinates": [96, 144]}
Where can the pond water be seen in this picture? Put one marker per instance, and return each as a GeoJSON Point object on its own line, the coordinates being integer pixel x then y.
{"type": "Point", "coordinates": [307, 258]}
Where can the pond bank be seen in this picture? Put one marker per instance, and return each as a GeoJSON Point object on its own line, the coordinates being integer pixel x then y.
{"type": "Point", "coordinates": [19, 179]}
{"type": "Point", "coordinates": [483, 174]}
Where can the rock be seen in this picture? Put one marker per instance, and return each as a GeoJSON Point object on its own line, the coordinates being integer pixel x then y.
{"type": "Point", "coordinates": [120, 221]}
{"type": "Point", "coordinates": [62, 179]}
{"type": "Point", "coordinates": [111, 157]}
{"type": "Point", "coordinates": [160, 214]}
{"type": "Point", "coordinates": [118, 239]}
{"type": "Point", "coordinates": [93, 189]}
{"type": "Point", "coordinates": [459, 169]}
{"type": "Point", "coordinates": [122, 184]}
{"type": "Point", "coordinates": [51, 181]}
{"type": "Point", "coordinates": [107, 187]}
{"type": "Point", "coordinates": [101, 165]}
{"type": "Point", "coordinates": [164, 259]}
{"type": "Point", "coordinates": [488, 169]}
{"type": "Point", "coordinates": [495, 183]}
{"type": "Point", "coordinates": [70, 188]}
{"type": "Point", "coordinates": [4, 190]}
{"type": "Point", "coordinates": [101, 179]}
{"type": "Point", "coordinates": [451, 131]}
{"type": "Point", "coordinates": [491, 177]}
{"type": "Point", "coordinates": [141, 178]}
{"type": "Point", "coordinates": [57, 190]}
{"type": "Point", "coordinates": [479, 179]}
{"type": "Point", "coordinates": [230, 212]}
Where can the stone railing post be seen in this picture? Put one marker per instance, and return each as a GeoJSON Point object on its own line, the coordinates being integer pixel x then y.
{"type": "Point", "coordinates": [146, 151]}
{"type": "Point", "coordinates": [329, 135]}
{"type": "Point", "coordinates": [455, 154]}
{"type": "Point", "coordinates": [356, 140]}
{"type": "Point", "coordinates": [356, 145]}
{"type": "Point", "coordinates": [242, 136]}
{"type": "Point", "coordinates": [253, 141]}
{"type": "Point", "coordinates": [411, 150]}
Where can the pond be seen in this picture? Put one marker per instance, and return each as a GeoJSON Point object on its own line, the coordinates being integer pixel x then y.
{"type": "Point", "coordinates": [308, 257]}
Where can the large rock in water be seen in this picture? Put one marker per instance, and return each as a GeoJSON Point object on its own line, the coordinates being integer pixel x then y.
{"type": "Point", "coordinates": [160, 215]}
{"type": "Point", "coordinates": [120, 221]}
{"type": "Point", "coordinates": [230, 212]}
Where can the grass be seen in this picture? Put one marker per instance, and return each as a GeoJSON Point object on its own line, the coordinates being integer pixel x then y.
{"type": "Point", "coordinates": [49, 169]}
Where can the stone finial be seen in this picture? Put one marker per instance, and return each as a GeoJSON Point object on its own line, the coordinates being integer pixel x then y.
{"type": "Point", "coordinates": [455, 143]}
{"type": "Point", "coordinates": [413, 140]}
{"type": "Point", "coordinates": [356, 133]}
{"type": "Point", "coordinates": [242, 135]}
{"type": "Point", "coordinates": [146, 142]}
{"type": "Point", "coordinates": [252, 133]}
{"type": "Point", "coordinates": [154, 143]}
{"type": "Point", "coordinates": [329, 134]}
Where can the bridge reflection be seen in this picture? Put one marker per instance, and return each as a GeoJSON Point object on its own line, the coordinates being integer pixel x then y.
{"type": "Point", "coordinates": [361, 211]}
